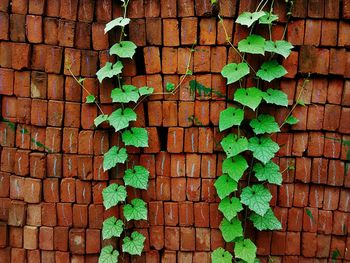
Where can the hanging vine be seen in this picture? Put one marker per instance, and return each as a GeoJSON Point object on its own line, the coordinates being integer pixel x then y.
{"type": "Point", "coordinates": [250, 142]}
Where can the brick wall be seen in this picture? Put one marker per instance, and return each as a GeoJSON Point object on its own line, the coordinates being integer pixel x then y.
{"type": "Point", "coordinates": [50, 201]}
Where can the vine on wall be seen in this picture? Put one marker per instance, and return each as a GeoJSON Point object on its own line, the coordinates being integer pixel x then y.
{"type": "Point", "coordinates": [250, 142]}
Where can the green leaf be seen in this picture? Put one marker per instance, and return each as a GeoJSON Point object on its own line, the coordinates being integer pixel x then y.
{"type": "Point", "coordinates": [145, 91]}
{"type": "Point", "coordinates": [101, 118]}
{"type": "Point", "coordinates": [137, 210]}
{"type": "Point", "coordinates": [291, 120]}
{"type": "Point", "coordinates": [268, 18]}
{"type": "Point", "coordinates": [253, 44]}
{"type": "Point", "coordinates": [234, 72]}
{"type": "Point", "coordinates": [263, 149]}
{"type": "Point", "coordinates": [134, 244]}
{"type": "Point", "coordinates": [277, 97]}
{"type": "Point", "coordinates": [264, 124]}
{"type": "Point", "coordinates": [137, 177]}
{"type": "Point", "coordinates": [231, 229]}
{"type": "Point", "coordinates": [137, 137]}
{"type": "Point", "coordinates": [169, 86]}
{"type": "Point", "coordinates": [125, 94]}
{"type": "Point", "coordinates": [270, 172]}
{"type": "Point", "coordinates": [250, 97]}
{"type": "Point", "coordinates": [109, 70]}
{"type": "Point", "coordinates": [257, 198]}
{"type": "Point", "coordinates": [280, 47]}
{"type": "Point", "coordinates": [235, 167]}
{"type": "Point", "coordinates": [108, 255]}
{"type": "Point", "coordinates": [112, 228]}
{"type": "Point", "coordinates": [90, 98]}
{"type": "Point", "coordinates": [124, 49]}
{"type": "Point", "coordinates": [265, 222]}
{"type": "Point", "coordinates": [233, 145]}
{"type": "Point", "coordinates": [246, 250]}
{"type": "Point", "coordinates": [271, 70]}
{"type": "Point", "coordinates": [230, 207]}
{"type": "Point", "coordinates": [224, 186]}
{"type": "Point", "coordinates": [247, 18]}
{"type": "Point", "coordinates": [220, 255]}
{"type": "Point", "coordinates": [113, 156]}
{"type": "Point", "coordinates": [202, 90]}
{"type": "Point", "coordinates": [229, 117]}
{"type": "Point", "coordinates": [120, 118]}
{"type": "Point", "coordinates": [113, 194]}
{"type": "Point", "coordinates": [119, 21]}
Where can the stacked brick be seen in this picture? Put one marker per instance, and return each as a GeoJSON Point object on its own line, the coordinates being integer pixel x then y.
{"type": "Point", "coordinates": [51, 157]}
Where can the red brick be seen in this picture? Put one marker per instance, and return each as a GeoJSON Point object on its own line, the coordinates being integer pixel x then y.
{"type": "Point", "coordinates": [30, 237]}
{"type": "Point", "coordinates": [331, 197]}
{"type": "Point", "coordinates": [201, 58]}
{"type": "Point", "coordinates": [343, 203]}
{"type": "Point", "coordinates": [344, 124]}
{"type": "Point", "coordinates": [6, 81]}
{"type": "Point", "coordinates": [343, 36]}
{"type": "Point", "coordinates": [5, 184]}
{"type": "Point", "coordinates": [152, 60]}
{"type": "Point", "coordinates": [50, 31]}
{"type": "Point", "coordinates": [346, 9]}
{"type": "Point", "coordinates": [20, 55]}
{"type": "Point", "coordinates": [136, 9]}
{"type": "Point", "coordinates": [329, 35]}
{"type": "Point", "coordinates": [309, 244]}
{"type": "Point", "coordinates": [64, 214]}
{"type": "Point", "coordinates": [338, 243]}
{"type": "Point", "coordinates": [311, 56]}
{"type": "Point", "coordinates": [169, 60]}
{"type": "Point", "coordinates": [17, 28]}
{"type": "Point", "coordinates": [48, 214]}
{"type": "Point", "coordinates": [202, 239]}
{"type": "Point", "coordinates": [157, 237]}
{"type": "Point", "coordinates": [331, 117]}
{"type": "Point", "coordinates": [263, 243]}
{"type": "Point", "coordinates": [293, 243]}
{"type": "Point", "coordinates": [5, 54]}
{"type": "Point", "coordinates": [286, 193]}
{"type": "Point", "coordinates": [340, 223]}
{"type": "Point", "coordinates": [335, 173]}
{"type": "Point", "coordinates": [46, 238]}
{"type": "Point", "coordinates": [295, 219]}
{"type": "Point", "coordinates": [154, 31]}
{"type": "Point", "coordinates": [51, 190]}
{"type": "Point", "coordinates": [325, 222]}
{"type": "Point", "coordinates": [189, 30]}
{"type": "Point", "coordinates": [17, 213]}
{"type": "Point", "coordinates": [4, 20]}
{"type": "Point", "coordinates": [152, 8]}
{"type": "Point", "coordinates": [278, 243]}
{"type": "Point", "coordinates": [15, 237]}
{"type": "Point", "coordinates": [312, 32]}
{"type": "Point", "coordinates": [295, 32]}
{"type": "Point", "coordinates": [170, 32]}
{"type": "Point", "coordinates": [332, 145]}
{"type": "Point", "coordinates": [332, 9]}
{"type": "Point", "coordinates": [66, 33]}
{"type": "Point", "coordinates": [68, 9]}
{"type": "Point", "coordinates": [323, 245]}
{"type": "Point", "coordinates": [34, 28]}
{"type": "Point", "coordinates": [93, 241]}
{"type": "Point", "coordinates": [172, 238]}
{"type": "Point", "coordinates": [316, 144]}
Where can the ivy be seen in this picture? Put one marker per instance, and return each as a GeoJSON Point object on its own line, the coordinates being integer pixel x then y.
{"type": "Point", "coordinates": [112, 228]}
{"type": "Point", "coordinates": [134, 244]}
{"type": "Point", "coordinates": [249, 148]}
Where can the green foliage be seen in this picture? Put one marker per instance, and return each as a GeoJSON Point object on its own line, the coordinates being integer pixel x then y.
{"type": "Point", "coordinates": [120, 118]}
{"type": "Point", "coordinates": [90, 98]}
{"type": "Point", "coordinates": [234, 72]}
{"type": "Point", "coordinates": [224, 186]}
{"type": "Point", "coordinates": [112, 227]}
{"type": "Point", "coordinates": [109, 70]}
{"type": "Point", "coordinates": [257, 198]}
{"type": "Point", "coordinates": [137, 177]}
{"type": "Point", "coordinates": [169, 86]}
{"type": "Point", "coordinates": [235, 167]}
{"type": "Point", "coordinates": [263, 148]}
{"type": "Point", "coordinates": [230, 117]}
{"type": "Point", "coordinates": [271, 70]}
{"type": "Point", "coordinates": [133, 244]}
{"type": "Point", "coordinates": [276, 97]}
{"type": "Point", "coordinates": [246, 250]}
{"type": "Point", "coordinates": [270, 172]}
{"type": "Point", "coordinates": [119, 21]}
{"type": "Point", "coordinates": [280, 47]}
{"type": "Point", "coordinates": [123, 49]}
{"type": "Point", "coordinates": [291, 120]}
{"type": "Point", "coordinates": [268, 18]}
{"type": "Point", "coordinates": [220, 255]}
{"type": "Point", "coordinates": [145, 91]}
{"type": "Point", "coordinates": [114, 156]}
{"type": "Point", "coordinates": [125, 94]}
{"type": "Point", "coordinates": [108, 255]}
{"type": "Point", "coordinates": [230, 207]}
{"type": "Point", "coordinates": [137, 137]}
{"type": "Point", "coordinates": [250, 97]}
{"type": "Point", "coordinates": [253, 44]}
{"type": "Point", "coordinates": [137, 210]}
{"type": "Point", "coordinates": [101, 118]}
{"type": "Point", "coordinates": [266, 222]}
{"type": "Point", "coordinates": [248, 19]}
{"type": "Point", "coordinates": [231, 229]}
{"type": "Point", "coordinates": [233, 145]}
{"type": "Point", "coordinates": [264, 124]}
{"type": "Point", "coordinates": [113, 194]}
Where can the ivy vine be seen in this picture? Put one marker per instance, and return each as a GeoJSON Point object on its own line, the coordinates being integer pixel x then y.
{"type": "Point", "coordinates": [250, 139]}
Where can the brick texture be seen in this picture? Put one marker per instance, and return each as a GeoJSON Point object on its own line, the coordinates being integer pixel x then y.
{"type": "Point", "coordinates": [50, 197]}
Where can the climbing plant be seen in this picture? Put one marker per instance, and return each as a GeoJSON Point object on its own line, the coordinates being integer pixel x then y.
{"type": "Point", "coordinates": [250, 139]}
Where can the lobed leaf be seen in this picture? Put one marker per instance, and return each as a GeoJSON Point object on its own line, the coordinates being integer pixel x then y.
{"type": "Point", "coordinates": [137, 137]}
{"type": "Point", "coordinates": [113, 194]}
{"type": "Point", "coordinates": [114, 156]}
{"type": "Point", "coordinates": [271, 70]}
{"type": "Point", "coordinates": [291, 120]}
{"type": "Point", "coordinates": [112, 228]}
{"type": "Point", "coordinates": [231, 229]}
{"type": "Point", "coordinates": [229, 117]}
{"type": "Point", "coordinates": [245, 250]}
{"type": "Point", "coordinates": [250, 97]}
{"type": "Point", "coordinates": [145, 91]}
{"type": "Point", "coordinates": [124, 49]}
{"type": "Point", "coordinates": [257, 198]}
{"type": "Point", "coordinates": [276, 97]}
{"type": "Point", "coordinates": [220, 255]}
{"type": "Point", "coordinates": [120, 118]}
{"type": "Point", "coordinates": [230, 207]}
{"type": "Point", "coordinates": [233, 145]}
{"type": "Point", "coordinates": [264, 124]}
{"type": "Point", "coordinates": [109, 70]}
{"type": "Point", "coordinates": [268, 18]}
{"type": "Point", "coordinates": [263, 149]}
{"type": "Point", "coordinates": [137, 210]}
{"type": "Point", "coordinates": [119, 21]}
{"type": "Point", "coordinates": [247, 18]}
{"type": "Point", "coordinates": [133, 244]}
{"type": "Point", "coordinates": [280, 47]}
{"type": "Point", "coordinates": [99, 119]}
{"type": "Point", "coordinates": [137, 177]}
{"type": "Point", "coordinates": [234, 72]}
{"type": "Point", "coordinates": [108, 255]}
{"type": "Point", "coordinates": [253, 44]}
{"type": "Point", "coordinates": [90, 98]}
{"type": "Point", "coordinates": [125, 94]}
{"type": "Point", "coordinates": [266, 222]}
{"type": "Point", "coordinates": [270, 172]}
{"type": "Point", "coordinates": [235, 167]}
{"type": "Point", "coordinates": [224, 186]}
